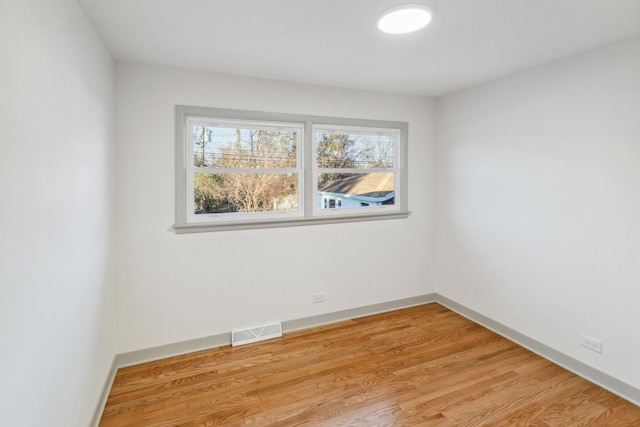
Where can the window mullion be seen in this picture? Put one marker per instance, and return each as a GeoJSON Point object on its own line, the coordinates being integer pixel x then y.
{"type": "Point", "coordinates": [245, 170]}
{"type": "Point", "coordinates": [355, 170]}
{"type": "Point", "coordinates": [310, 180]}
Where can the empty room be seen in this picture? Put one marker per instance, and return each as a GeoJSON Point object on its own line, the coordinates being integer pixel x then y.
{"type": "Point", "coordinates": [319, 212]}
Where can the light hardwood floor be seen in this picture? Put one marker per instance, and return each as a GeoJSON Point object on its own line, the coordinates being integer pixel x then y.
{"type": "Point", "coordinates": [422, 366]}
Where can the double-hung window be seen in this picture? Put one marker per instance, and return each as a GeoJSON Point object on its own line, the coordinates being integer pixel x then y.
{"type": "Point", "coordinates": [241, 169]}
{"type": "Point", "coordinates": [356, 167]}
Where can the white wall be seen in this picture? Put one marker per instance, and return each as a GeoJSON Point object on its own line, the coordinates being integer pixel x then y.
{"type": "Point", "coordinates": [179, 287]}
{"type": "Point", "coordinates": [56, 126]}
{"type": "Point", "coordinates": [538, 222]}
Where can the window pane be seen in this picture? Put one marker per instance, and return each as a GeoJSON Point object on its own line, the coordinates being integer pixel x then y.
{"type": "Point", "coordinates": [261, 192]}
{"type": "Point", "coordinates": [224, 147]}
{"type": "Point", "coordinates": [350, 150]}
{"type": "Point", "coordinates": [337, 191]}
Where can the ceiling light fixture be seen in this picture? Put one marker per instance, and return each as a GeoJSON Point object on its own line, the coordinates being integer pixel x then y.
{"type": "Point", "coordinates": [405, 18]}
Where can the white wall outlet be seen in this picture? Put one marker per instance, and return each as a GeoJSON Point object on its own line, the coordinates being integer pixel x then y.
{"type": "Point", "coordinates": [591, 343]}
{"type": "Point", "coordinates": [317, 297]}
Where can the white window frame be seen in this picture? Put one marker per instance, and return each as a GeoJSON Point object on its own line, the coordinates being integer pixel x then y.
{"type": "Point", "coordinates": [308, 213]}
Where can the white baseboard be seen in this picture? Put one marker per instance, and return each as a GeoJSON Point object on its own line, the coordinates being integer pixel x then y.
{"type": "Point", "coordinates": [354, 313]}
{"type": "Point", "coordinates": [169, 350]}
{"type": "Point", "coordinates": [102, 402]}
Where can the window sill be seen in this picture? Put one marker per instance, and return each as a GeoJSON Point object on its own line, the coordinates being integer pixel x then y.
{"type": "Point", "coordinates": [288, 222]}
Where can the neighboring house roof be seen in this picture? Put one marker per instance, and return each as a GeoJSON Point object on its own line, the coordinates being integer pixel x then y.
{"type": "Point", "coordinates": [369, 185]}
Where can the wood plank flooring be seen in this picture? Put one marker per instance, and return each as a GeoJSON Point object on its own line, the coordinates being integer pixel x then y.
{"type": "Point", "coordinates": [422, 366]}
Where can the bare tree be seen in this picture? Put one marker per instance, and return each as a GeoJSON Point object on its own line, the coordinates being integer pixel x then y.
{"type": "Point", "coordinates": [250, 192]}
{"type": "Point", "coordinates": [273, 149]}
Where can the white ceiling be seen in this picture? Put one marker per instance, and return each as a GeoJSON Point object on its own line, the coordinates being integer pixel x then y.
{"type": "Point", "coordinates": [336, 42]}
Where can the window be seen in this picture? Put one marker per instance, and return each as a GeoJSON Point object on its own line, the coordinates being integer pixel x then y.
{"type": "Point", "coordinates": [355, 167]}
{"type": "Point", "coordinates": [241, 169]}
{"type": "Point", "coordinates": [329, 203]}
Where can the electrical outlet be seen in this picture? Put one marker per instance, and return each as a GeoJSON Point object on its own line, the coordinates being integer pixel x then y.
{"type": "Point", "coordinates": [317, 297]}
{"type": "Point", "coordinates": [591, 343]}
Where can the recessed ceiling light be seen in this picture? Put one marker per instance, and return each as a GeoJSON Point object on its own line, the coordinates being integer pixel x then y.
{"type": "Point", "coordinates": [405, 18]}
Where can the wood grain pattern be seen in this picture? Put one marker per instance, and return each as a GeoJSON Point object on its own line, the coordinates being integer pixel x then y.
{"type": "Point", "coordinates": [422, 366]}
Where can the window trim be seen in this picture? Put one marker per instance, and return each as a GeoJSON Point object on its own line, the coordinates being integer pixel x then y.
{"type": "Point", "coordinates": [309, 217]}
